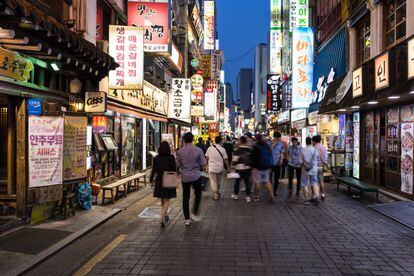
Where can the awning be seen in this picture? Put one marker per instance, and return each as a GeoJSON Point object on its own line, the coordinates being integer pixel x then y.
{"type": "Point", "coordinates": [331, 55]}
{"type": "Point", "coordinates": [329, 103]}
{"type": "Point", "coordinates": [180, 123]}
{"type": "Point", "coordinates": [135, 112]}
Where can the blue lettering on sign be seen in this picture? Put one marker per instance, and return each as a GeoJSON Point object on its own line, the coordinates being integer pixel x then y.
{"type": "Point", "coordinates": [34, 107]}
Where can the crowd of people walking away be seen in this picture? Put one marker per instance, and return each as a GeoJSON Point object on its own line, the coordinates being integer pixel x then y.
{"type": "Point", "coordinates": [257, 161]}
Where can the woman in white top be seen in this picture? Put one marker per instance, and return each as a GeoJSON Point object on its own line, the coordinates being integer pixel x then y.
{"type": "Point", "coordinates": [310, 172]}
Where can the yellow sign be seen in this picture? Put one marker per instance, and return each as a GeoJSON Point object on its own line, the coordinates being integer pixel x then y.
{"type": "Point", "coordinates": [357, 83]}
{"type": "Point", "coordinates": [410, 59]}
{"type": "Point", "coordinates": [205, 66]}
{"type": "Point", "coordinates": [382, 74]}
{"type": "Point", "coordinates": [14, 66]}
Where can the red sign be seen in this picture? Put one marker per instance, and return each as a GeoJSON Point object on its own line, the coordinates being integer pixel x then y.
{"type": "Point", "coordinates": [154, 18]}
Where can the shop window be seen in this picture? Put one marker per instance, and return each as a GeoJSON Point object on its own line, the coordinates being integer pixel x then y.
{"type": "Point", "coordinates": [363, 39]}
{"type": "Point", "coordinates": [395, 15]}
{"type": "Point", "coordinates": [328, 17]}
{"type": "Point", "coordinates": [128, 134]}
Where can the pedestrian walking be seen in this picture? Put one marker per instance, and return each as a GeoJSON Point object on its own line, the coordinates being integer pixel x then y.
{"type": "Point", "coordinates": [228, 146]}
{"type": "Point", "coordinates": [163, 162]}
{"type": "Point", "coordinates": [191, 161]}
{"type": "Point", "coordinates": [310, 172]}
{"type": "Point", "coordinates": [322, 162]}
{"type": "Point", "coordinates": [262, 162]}
{"type": "Point", "coordinates": [294, 165]}
{"type": "Point", "coordinates": [250, 140]}
{"type": "Point", "coordinates": [242, 159]}
{"type": "Point", "coordinates": [278, 151]}
{"type": "Point", "coordinates": [217, 161]}
{"type": "Point", "coordinates": [201, 145]}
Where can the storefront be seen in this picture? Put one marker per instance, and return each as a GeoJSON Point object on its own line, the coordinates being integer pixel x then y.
{"type": "Point", "coordinates": [299, 126]}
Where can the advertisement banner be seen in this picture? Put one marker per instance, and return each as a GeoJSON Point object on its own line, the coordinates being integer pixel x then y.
{"type": "Point", "coordinates": [299, 13]}
{"type": "Point", "coordinates": [154, 18]}
{"type": "Point", "coordinates": [126, 47]}
{"type": "Point", "coordinates": [273, 93]}
{"type": "Point", "coordinates": [407, 138]}
{"type": "Point", "coordinates": [275, 51]}
{"type": "Point", "coordinates": [74, 147]}
{"type": "Point", "coordinates": [45, 150]}
{"type": "Point", "coordinates": [356, 124]}
{"type": "Point", "coordinates": [210, 103]}
{"type": "Point", "coordinates": [302, 69]}
{"type": "Point", "coordinates": [209, 25]}
{"type": "Point", "coordinates": [180, 100]}
{"type": "Point", "coordinates": [205, 66]}
{"type": "Point", "coordinates": [95, 102]}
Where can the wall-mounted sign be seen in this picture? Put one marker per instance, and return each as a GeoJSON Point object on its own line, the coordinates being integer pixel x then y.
{"type": "Point", "coordinates": [205, 66]}
{"type": "Point", "coordinates": [74, 147]}
{"type": "Point", "coordinates": [215, 65]}
{"type": "Point", "coordinates": [275, 13]}
{"type": "Point", "coordinates": [197, 82]}
{"type": "Point", "coordinates": [356, 123]}
{"type": "Point", "coordinates": [176, 57]}
{"type": "Point", "coordinates": [284, 117]}
{"type": "Point", "coordinates": [302, 73]}
{"type": "Point", "coordinates": [357, 89]}
{"type": "Point", "coordinates": [315, 118]}
{"type": "Point", "coordinates": [298, 114]}
{"type": "Point", "coordinates": [209, 30]}
{"type": "Point", "coordinates": [299, 13]}
{"type": "Point", "coordinates": [410, 55]}
{"type": "Point", "coordinates": [180, 100]}
{"type": "Point", "coordinates": [45, 150]}
{"type": "Point", "coordinates": [196, 19]}
{"type": "Point", "coordinates": [126, 47]}
{"type": "Point", "coordinates": [287, 95]}
{"type": "Point", "coordinates": [34, 107]}
{"type": "Point", "coordinates": [14, 66]}
{"type": "Point", "coordinates": [407, 155]}
{"type": "Point", "coordinates": [382, 74]}
{"type": "Point", "coordinates": [194, 62]}
{"type": "Point", "coordinates": [273, 93]}
{"type": "Point", "coordinates": [95, 102]}
{"type": "Point", "coordinates": [275, 51]}
{"type": "Point", "coordinates": [154, 18]}
{"type": "Point", "coordinates": [210, 100]}
{"type": "Point", "coordinates": [197, 110]}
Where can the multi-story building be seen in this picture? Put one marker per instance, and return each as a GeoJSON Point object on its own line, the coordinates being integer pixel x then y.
{"type": "Point", "coordinates": [244, 90]}
{"type": "Point", "coordinates": [261, 69]}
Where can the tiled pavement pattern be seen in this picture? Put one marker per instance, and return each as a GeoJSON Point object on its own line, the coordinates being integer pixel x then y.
{"type": "Point", "coordinates": [339, 237]}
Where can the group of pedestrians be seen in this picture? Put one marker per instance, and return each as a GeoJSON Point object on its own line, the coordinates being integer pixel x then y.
{"type": "Point", "coordinates": [258, 162]}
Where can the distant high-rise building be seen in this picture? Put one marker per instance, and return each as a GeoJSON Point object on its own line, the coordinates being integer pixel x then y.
{"type": "Point", "coordinates": [261, 68]}
{"type": "Point", "coordinates": [244, 90]}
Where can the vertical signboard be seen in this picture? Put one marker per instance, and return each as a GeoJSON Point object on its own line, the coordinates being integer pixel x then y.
{"type": "Point", "coordinates": [299, 14]}
{"type": "Point", "coordinates": [153, 17]}
{"type": "Point", "coordinates": [126, 47]}
{"type": "Point", "coordinates": [273, 93]}
{"type": "Point", "coordinates": [210, 100]}
{"type": "Point", "coordinates": [287, 95]}
{"type": "Point", "coordinates": [180, 100]}
{"type": "Point", "coordinates": [407, 134]}
{"type": "Point", "coordinates": [276, 13]}
{"type": "Point", "coordinates": [356, 123]}
{"type": "Point", "coordinates": [382, 74]}
{"type": "Point", "coordinates": [45, 150]}
{"type": "Point", "coordinates": [209, 25]}
{"type": "Point", "coordinates": [275, 37]}
{"type": "Point", "coordinates": [410, 54]}
{"type": "Point", "coordinates": [302, 68]}
{"type": "Point", "coordinates": [357, 83]}
{"type": "Point", "coordinates": [74, 148]}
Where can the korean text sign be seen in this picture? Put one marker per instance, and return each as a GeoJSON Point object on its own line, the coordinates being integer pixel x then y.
{"type": "Point", "coordinates": [302, 68]}
{"type": "Point", "coordinates": [180, 99]}
{"type": "Point", "coordinates": [273, 93]}
{"type": "Point", "coordinates": [74, 148]}
{"type": "Point", "coordinates": [153, 17]}
{"type": "Point", "coordinates": [209, 25]}
{"type": "Point", "coordinates": [14, 66]}
{"type": "Point", "coordinates": [45, 150]}
{"type": "Point", "coordinates": [126, 47]}
{"type": "Point", "coordinates": [299, 13]}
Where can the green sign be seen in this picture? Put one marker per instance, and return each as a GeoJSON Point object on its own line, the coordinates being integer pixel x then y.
{"type": "Point", "coordinates": [194, 62]}
{"type": "Point", "coordinates": [276, 13]}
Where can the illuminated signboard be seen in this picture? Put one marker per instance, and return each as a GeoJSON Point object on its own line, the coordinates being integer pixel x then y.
{"type": "Point", "coordinates": [209, 25]}
{"type": "Point", "coordinates": [273, 93]}
{"type": "Point", "coordinates": [275, 37]}
{"type": "Point", "coordinates": [180, 99]}
{"type": "Point", "coordinates": [299, 13]}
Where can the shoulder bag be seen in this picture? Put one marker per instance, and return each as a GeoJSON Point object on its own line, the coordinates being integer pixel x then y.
{"type": "Point", "coordinates": [222, 158]}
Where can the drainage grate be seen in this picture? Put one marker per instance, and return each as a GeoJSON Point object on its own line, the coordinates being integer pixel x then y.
{"type": "Point", "coordinates": [150, 212]}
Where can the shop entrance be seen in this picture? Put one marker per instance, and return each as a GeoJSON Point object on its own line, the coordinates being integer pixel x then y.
{"type": "Point", "coordinates": [374, 144]}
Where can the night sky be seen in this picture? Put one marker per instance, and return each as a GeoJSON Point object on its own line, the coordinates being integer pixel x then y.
{"type": "Point", "coordinates": [242, 24]}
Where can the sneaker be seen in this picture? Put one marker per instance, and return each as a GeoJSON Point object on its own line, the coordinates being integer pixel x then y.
{"type": "Point", "coordinates": [187, 222]}
{"type": "Point", "coordinates": [235, 197]}
{"type": "Point", "coordinates": [307, 202]}
{"type": "Point", "coordinates": [256, 199]}
{"type": "Point", "coordinates": [216, 196]}
{"type": "Point", "coordinates": [195, 217]}
{"type": "Point", "coordinates": [323, 197]}
{"type": "Point", "coordinates": [248, 199]}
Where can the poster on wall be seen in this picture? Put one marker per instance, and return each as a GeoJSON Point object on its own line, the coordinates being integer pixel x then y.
{"type": "Point", "coordinates": [74, 147]}
{"type": "Point", "coordinates": [126, 46]}
{"type": "Point", "coordinates": [302, 69]}
{"type": "Point", "coordinates": [180, 100]}
{"type": "Point", "coordinates": [45, 150]}
{"type": "Point", "coordinates": [154, 18]}
{"type": "Point", "coordinates": [356, 144]}
{"type": "Point", "coordinates": [407, 138]}
{"type": "Point", "coordinates": [209, 25]}
{"type": "Point", "coordinates": [128, 128]}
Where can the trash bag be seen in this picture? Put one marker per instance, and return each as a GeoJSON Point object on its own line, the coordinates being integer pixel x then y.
{"type": "Point", "coordinates": [84, 196]}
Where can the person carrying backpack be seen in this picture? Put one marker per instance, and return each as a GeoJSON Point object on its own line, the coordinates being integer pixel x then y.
{"type": "Point", "coordinates": [310, 172]}
{"type": "Point", "coordinates": [262, 162]}
{"type": "Point", "coordinates": [242, 159]}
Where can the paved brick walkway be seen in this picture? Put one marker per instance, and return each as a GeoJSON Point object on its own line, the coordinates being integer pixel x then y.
{"type": "Point", "coordinates": [339, 237]}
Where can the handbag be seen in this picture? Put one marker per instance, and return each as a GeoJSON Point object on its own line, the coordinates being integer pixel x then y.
{"type": "Point", "coordinates": [222, 158]}
{"type": "Point", "coordinates": [170, 180]}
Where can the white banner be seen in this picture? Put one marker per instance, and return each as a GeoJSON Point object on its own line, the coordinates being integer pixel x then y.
{"type": "Point", "coordinates": [210, 105]}
{"type": "Point", "coordinates": [126, 46]}
{"type": "Point", "coordinates": [180, 100]}
{"type": "Point", "coordinates": [209, 25]}
{"type": "Point", "coordinates": [407, 138]}
{"type": "Point", "coordinates": [45, 150]}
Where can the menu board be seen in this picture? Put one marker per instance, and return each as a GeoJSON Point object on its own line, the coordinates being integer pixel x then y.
{"type": "Point", "coordinates": [407, 134]}
{"type": "Point", "coordinates": [45, 150]}
{"type": "Point", "coordinates": [75, 148]}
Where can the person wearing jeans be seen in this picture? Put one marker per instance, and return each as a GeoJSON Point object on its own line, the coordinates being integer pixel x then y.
{"type": "Point", "coordinates": [241, 164]}
{"type": "Point", "coordinates": [190, 161]}
{"type": "Point", "coordinates": [278, 154]}
{"type": "Point", "coordinates": [294, 165]}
